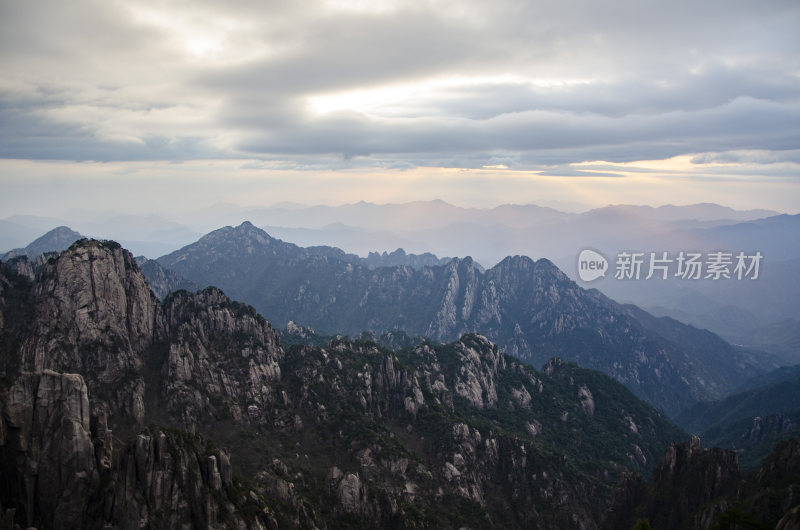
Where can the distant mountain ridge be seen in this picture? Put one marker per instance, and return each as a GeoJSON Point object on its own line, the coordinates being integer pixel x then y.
{"type": "Point", "coordinates": [417, 215]}
{"type": "Point", "coordinates": [399, 258]}
{"type": "Point", "coordinates": [56, 240]}
{"type": "Point", "coordinates": [697, 212]}
{"type": "Point", "coordinates": [531, 309]}
{"type": "Point", "coordinates": [762, 314]}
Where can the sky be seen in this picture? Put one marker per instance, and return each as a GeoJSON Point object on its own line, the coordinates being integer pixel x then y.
{"type": "Point", "coordinates": [157, 105]}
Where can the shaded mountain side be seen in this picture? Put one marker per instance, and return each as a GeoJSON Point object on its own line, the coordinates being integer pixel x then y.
{"type": "Point", "coordinates": [118, 409]}
{"type": "Point", "coordinates": [751, 421]}
{"type": "Point", "coordinates": [29, 267]}
{"type": "Point", "coordinates": [531, 309]}
{"type": "Point", "coordinates": [729, 361]}
{"type": "Point", "coordinates": [780, 338]}
{"type": "Point", "coordinates": [163, 281]}
{"type": "Point", "coordinates": [754, 438]}
{"type": "Point", "coordinates": [695, 488]}
{"type": "Point", "coordinates": [784, 373]}
{"type": "Point", "coordinates": [781, 397]}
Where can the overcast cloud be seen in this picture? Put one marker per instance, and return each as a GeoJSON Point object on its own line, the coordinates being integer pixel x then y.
{"type": "Point", "coordinates": [529, 85]}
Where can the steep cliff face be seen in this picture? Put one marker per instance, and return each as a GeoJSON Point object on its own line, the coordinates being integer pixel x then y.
{"type": "Point", "coordinates": [170, 479]}
{"type": "Point", "coordinates": [94, 314]}
{"type": "Point", "coordinates": [59, 471]}
{"type": "Point", "coordinates": [201, 355]}
{"type": "Point", "coordinates": [91, 313]}
{"type": "Point", "coordinates": [47, 451]}
{"type": "Point", "coordinates": [15, 315]}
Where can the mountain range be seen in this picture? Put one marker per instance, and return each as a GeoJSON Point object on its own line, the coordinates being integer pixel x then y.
{"type": "Point", "coordinates": [529, 308]}
{"type": "Point", "coordinates": [716, 353]}
{"type": "Point", "coordinates": [740, 313]}
{"type": "Point", "coordinates": [118, 409]}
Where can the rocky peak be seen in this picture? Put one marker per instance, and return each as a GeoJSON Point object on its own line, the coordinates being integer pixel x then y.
{"type": "Point", "coordinates": [552, 365]}
{"type": "Point", "coordinates": [244, 233]}
{"type": "Point", "coordinates": [210, 311]}
{"type": "Point", "coordinates": [687, 462]}
{"type": "Point", "coordinates": [223, 359]}
{"type": "Point", "coordinates": [95, 314]}
{"type": "Point", "coordinates": [248, 230]}
{"type": "Point", "coordinates": [92, 287]}
{"type": "Point", "coordinates": [476, 378]}
{"type": "Point", "coordinates": [703, 489]}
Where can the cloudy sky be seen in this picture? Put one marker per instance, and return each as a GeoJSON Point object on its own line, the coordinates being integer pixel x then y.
{"type": "Point", "coordinates": [150, 104]}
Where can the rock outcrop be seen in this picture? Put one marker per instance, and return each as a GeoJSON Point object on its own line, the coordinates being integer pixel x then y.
{"type": "Point", "coordinates": [95, 315]}
{"type": "Point", "coordinates": [223, 360]}
{"type": "Point", "coordinates": [171, 479]}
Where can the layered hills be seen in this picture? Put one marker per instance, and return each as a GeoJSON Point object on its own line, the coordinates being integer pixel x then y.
{"type": "Point", "coordinates": [529, 308]}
